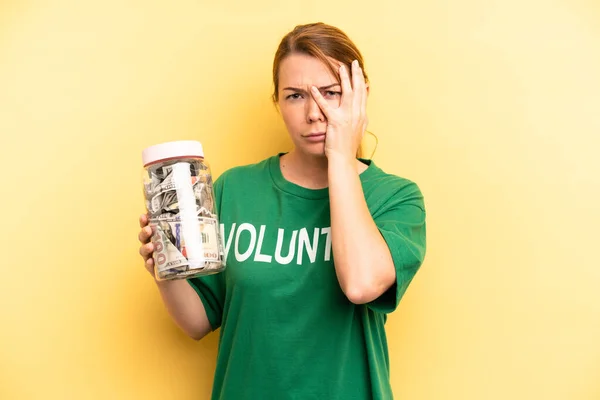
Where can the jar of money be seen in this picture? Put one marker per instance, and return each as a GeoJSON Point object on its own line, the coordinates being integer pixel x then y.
{"type": "Point", "coordinates": [178, 190]}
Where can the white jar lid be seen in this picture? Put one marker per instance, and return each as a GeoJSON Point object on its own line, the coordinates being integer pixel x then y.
{"type": "Point", "coordinates": [169, 150]}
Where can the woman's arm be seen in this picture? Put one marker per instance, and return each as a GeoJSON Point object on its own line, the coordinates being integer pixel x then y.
{"type": "Point", "coordinates": [363, 262]}
{"type": "Point", "coordinates": [180, 299]}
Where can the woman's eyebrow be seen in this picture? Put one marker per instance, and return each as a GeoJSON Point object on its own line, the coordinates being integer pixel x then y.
{"type": "Point", "coordinates": [321, 88]}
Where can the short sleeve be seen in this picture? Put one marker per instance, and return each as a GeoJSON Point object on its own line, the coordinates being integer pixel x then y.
{"type": "Point", "coordinates": [401, 222]}
{"type": "Point", "coordinates": [211, 288]}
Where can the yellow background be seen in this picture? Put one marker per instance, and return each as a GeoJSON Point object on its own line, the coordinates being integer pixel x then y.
{"type": "Point", "coordinates": [491, 106]}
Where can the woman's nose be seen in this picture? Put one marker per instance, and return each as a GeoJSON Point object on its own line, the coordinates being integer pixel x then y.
{"type": "Point", "coordinates": [314, 113]}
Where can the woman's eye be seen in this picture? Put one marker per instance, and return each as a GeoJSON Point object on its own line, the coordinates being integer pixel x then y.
{"type": "Point", "coordinates": [331, 93]}
{"type": "Point", "coordinates": [294, 96]}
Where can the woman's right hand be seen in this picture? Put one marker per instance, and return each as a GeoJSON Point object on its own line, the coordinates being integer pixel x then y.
{"type": "Point", "coordinates": [147, 247]}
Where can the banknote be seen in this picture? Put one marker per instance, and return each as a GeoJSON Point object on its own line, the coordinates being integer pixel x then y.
{"type": "Point", "coordinates": [162, 195]}
{"type": "Point", "coordinates": [173, 248]}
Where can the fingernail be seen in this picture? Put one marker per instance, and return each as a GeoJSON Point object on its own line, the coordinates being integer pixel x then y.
{"type": "Point", "coordinates": [314, 89]}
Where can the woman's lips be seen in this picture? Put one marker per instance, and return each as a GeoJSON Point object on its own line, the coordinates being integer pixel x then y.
{"type": "Point", "coordinates": [315, 137]}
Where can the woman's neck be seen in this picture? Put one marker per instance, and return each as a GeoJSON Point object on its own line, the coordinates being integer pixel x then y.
{"type": "Point", "coordinates": [303, 170]}
{"type": "Point", "coordinates": [308, 171]}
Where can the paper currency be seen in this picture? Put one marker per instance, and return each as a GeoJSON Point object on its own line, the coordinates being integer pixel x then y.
{"type": "Point", "coordinates": [179, 199]}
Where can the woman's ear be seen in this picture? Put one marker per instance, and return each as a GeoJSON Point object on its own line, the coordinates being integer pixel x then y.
{"type": "Point", "coordinates": [367, 85]}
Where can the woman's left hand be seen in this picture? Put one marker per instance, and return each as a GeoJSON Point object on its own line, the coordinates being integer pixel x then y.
{"type": "Point", "coordinates": [347, 123]}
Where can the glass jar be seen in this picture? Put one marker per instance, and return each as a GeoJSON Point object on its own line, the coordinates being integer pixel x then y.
{"type": "Point", "coordinates": [178, 189]}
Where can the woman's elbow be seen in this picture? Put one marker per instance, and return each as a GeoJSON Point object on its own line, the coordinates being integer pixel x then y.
{"type": "Point", "coordinates": [366, 292]}
{"type": "Point", "coordinates": [197, 333]}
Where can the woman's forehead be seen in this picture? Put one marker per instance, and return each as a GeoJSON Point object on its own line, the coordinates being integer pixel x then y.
{"type": "Point", "coordinates": [300, 70]}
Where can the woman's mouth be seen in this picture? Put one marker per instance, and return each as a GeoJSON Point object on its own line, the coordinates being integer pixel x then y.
{"type": "Point", "coordinates": [315, 137]}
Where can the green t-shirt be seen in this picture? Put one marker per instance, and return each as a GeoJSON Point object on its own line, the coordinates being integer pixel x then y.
{"type": "Point", "coordinates": [287, 329]}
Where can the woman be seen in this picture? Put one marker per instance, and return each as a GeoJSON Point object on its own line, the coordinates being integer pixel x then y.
{"type": "Point", "coordinates": [320, 245]}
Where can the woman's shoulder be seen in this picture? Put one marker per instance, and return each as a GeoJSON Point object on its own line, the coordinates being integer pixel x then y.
{"type": "Point", "coordinates": [377, 176]}
{"type": "Point", "coordinates": [246, 172]}
{"type": "Point", "coordinates": [383, 184]}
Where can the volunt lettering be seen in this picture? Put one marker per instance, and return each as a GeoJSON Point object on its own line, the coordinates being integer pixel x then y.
{"type": "Point", "coordinates": [299, 245]}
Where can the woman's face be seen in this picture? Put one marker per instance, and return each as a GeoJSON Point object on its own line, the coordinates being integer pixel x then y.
{"type": "Point", "coordinates": [303, 118]}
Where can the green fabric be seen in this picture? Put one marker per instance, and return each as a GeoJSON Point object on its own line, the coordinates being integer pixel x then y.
{"type": "Point", "coordinates": [287, 329]}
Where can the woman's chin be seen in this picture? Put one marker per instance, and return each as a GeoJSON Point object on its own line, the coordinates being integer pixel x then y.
{"type": "Point", "coordinates": [316, 150]}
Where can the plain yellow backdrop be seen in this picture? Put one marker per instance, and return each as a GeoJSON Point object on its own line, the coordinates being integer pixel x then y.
{"type": "Point", "coordinates": [492, 107]}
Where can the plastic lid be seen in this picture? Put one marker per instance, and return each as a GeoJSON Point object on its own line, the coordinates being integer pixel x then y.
{"type": "Point", "coordinates": [169, 150]}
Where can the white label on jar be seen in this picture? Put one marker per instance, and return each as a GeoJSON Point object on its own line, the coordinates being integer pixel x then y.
{"type": "Point", "coordinates": [186, 200]}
